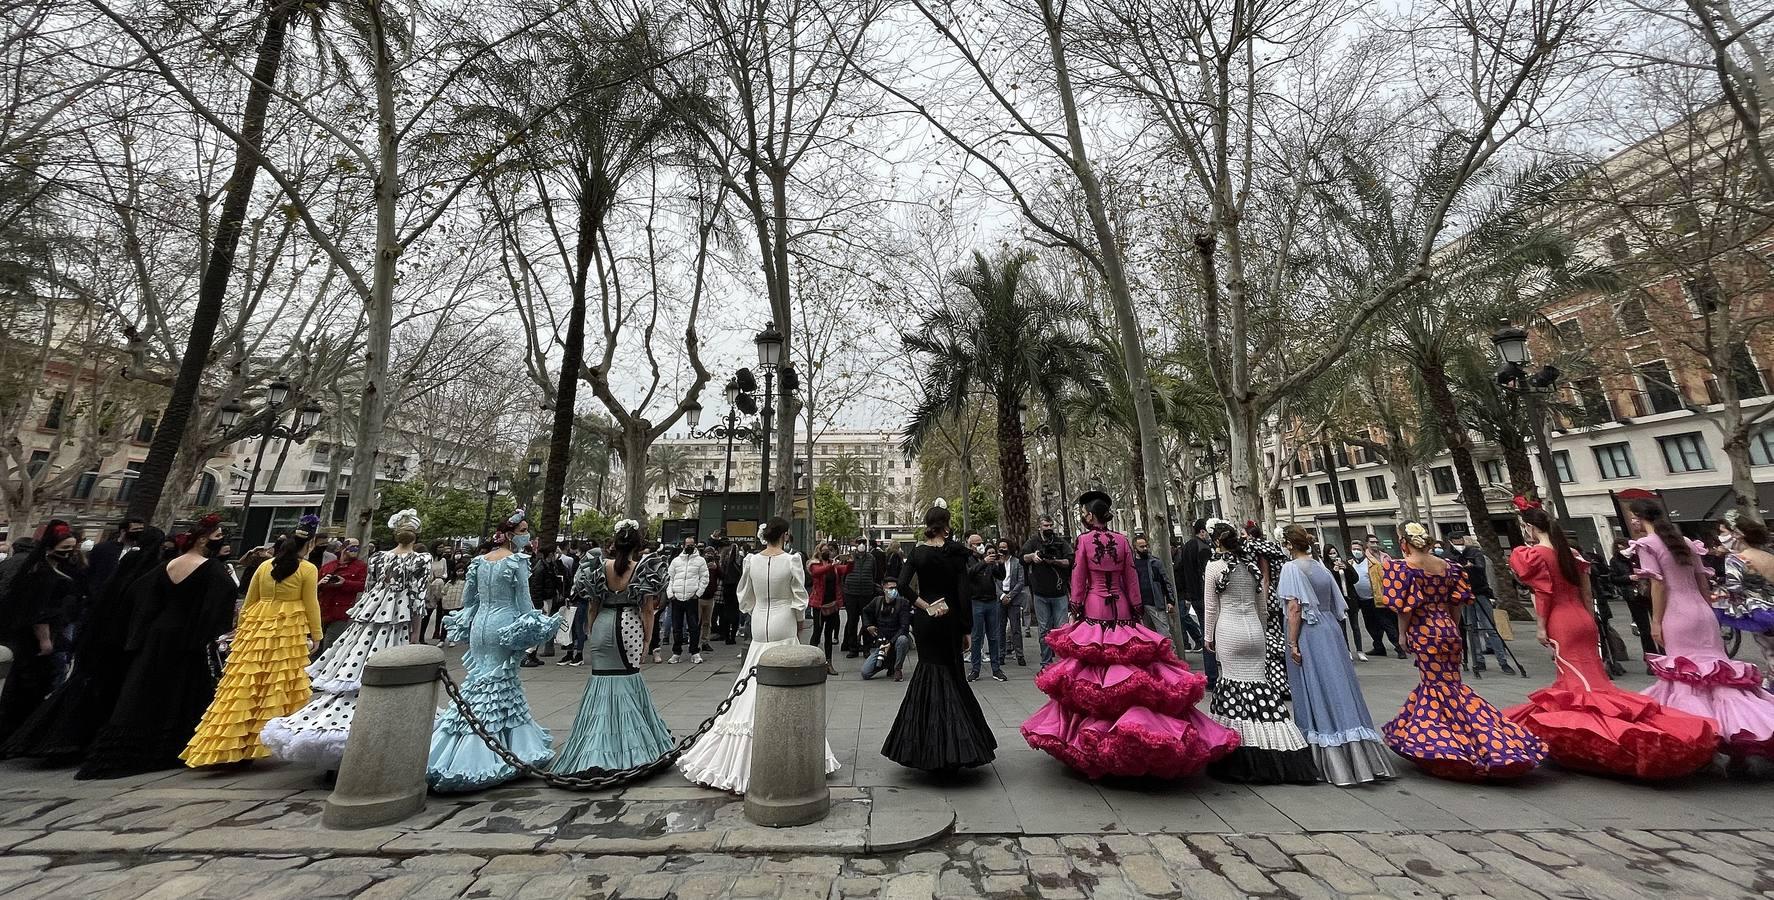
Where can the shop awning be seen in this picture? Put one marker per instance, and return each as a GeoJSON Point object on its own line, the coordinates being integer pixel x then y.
{"type": "Point", "coordinates": [1709, 503]}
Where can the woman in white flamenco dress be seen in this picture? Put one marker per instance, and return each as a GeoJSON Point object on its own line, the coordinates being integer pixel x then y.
{"type": "Point", "coordinates": [773, 589]}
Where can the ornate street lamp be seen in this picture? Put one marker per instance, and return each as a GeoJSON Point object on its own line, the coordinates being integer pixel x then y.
{"type": "Point", "coordinates": [693, 414]}
{"type": "Point", "coordinates": [769, 342]}
{"type": "Point", "coordinates": [306, 420]}
{"type": "Point", "coordinates": [709, 483]}
{"type": "Point", "coordinates": [276, 392]}
{"type": "Point", "coordinates": [486, 520]}
{"type": "Point", "coordinates": [1511, 342]}
{"type": "Point", "coordinates": [229, 414]}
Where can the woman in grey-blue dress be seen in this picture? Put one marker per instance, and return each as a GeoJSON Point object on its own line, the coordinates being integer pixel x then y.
{"type": "Point", "coordinates": [1328, 705]}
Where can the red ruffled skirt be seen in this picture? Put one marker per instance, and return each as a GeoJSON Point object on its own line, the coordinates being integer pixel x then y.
{"type": "Point", "coordinates": [1122, 704]}
{"type": "Point", "coordinates": [1613, 732]}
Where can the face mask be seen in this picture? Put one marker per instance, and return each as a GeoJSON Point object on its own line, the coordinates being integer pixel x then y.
{"type": "Point", "coordinates": [1047, 531]}
{"type": "Point", "coordinates": [1144, 554]}
{"type": "Point", "coordinates": [61, 554]}
{"type": "Point", "coordinates": [1356, 553]}
{"type": "Point", "coordinates": [520, 541]}
{"type": "Point", "coordinates": [893, 594]}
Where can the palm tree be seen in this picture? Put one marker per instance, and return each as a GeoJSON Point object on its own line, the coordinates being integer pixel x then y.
{"type": "Point", "coordinates": [668, 467]}
{"type": "Point", "coordinates": [218, 269]}
{"type": "Point", "coordinates": [847, 474]}
{"type": "Point", "coordinates": [1009, 339]}
{"type": "Point", "coordinates": [606, 126]}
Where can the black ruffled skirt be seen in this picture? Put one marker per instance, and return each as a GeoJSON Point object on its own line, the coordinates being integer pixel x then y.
{"type": "Point", "coordinates": [940, 726]}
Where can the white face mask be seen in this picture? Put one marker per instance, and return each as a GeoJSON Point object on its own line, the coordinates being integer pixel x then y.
{"type": "Point", "coordinates": [1356, 553]}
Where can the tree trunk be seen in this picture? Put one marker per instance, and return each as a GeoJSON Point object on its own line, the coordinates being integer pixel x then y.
{"type": "Point", "coordinates": [1133, 351]}
{"type": "Point", "coordinates": [379, 316]}
{"type": "Point", "coordinates": [634, 472]}
{"type": "Point", "coordinates": [212, 290]}
{"type": "Point", "coordinates": [1516, 459]}
{"type": "Point", "coordinates": [566, 390]}
{"type": "Point", "coordinates": [1404, 483]}
{"type": "Point", "coordinates": [1330, 466]}
{"type": "Point", "coordinates": [1471, 490]}
{"type": "Point", "coordinates": [1013, 469]}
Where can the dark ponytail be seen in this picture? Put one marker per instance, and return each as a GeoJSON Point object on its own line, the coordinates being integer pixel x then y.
{"type": "Point", "coordinates": [624, 548]}
{"type": "Point", "coordinates": [936, 522]}
{"type": "Point", "coordinates": [775, 529]}
{"type": "Point", "coordinates": [1652, 515]}
{"type": "Point", "coordinates": [289, 555]}
{"type": "Point", "coordinates": [1227, 538]}
{"type": "Point", "coordinates": [1544, 523]}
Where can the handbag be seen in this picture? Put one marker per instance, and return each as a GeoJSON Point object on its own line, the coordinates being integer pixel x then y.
{"type": "Point", "coordinates": [1501, 620]}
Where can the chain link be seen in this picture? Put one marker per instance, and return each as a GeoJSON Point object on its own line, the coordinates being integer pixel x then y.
{"type": "Point", "coordinates": [590, 779]}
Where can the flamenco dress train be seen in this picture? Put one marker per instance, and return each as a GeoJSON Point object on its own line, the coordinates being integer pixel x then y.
{"type": "Point", "coordinates": [1121, 703]}
{"type": "Point", "coordinates": [940, 726]}
{"type": "Point", "coordinates": [1243, 621]}
{"type": "Point", "coordinates": [1446, 728]}
{"type": "Point", "coordinates": [265, 676]}
{"type": "Point", "coordinates": [500, 625]}
{"type": "Point", "coordinates": [617, 726]}
{"type": "Point", "coordinates": [1588, 724]}
{"type": "Point", "coordinates": [393, 598]}
{"type": "Point", "coordinates": [773, 590]}
{"type": "Point", "coordinates": [1695, 674]}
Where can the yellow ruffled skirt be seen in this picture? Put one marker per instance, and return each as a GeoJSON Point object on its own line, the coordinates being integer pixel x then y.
{"type": "Point", "coordinates": [266, 677]}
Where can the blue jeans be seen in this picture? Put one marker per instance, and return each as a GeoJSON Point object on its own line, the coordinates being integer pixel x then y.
{"type": "Point", "coordinates": [988, 625]}
{"type": "Point", "coordinates": [581, 628]}
{"type": "Point", "coordinates": [1050, 613]}
{"type": "Point", "coordinates": [877, 662]}
{"type": "Point", "coordinates": [1482, 618]}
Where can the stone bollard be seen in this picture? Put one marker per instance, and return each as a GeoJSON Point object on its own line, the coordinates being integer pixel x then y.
{"type": "Point", "coordinates": [788, 739]}
{"type": "Point", "coordinates": [382, 778]}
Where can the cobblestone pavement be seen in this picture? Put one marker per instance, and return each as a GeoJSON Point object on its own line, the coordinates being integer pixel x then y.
{"type": "Point", "coordinates": [1615, 865]}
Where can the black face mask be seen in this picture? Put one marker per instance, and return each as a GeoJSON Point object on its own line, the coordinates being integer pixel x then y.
{"type": "Point", "coordinates": [60, 555]}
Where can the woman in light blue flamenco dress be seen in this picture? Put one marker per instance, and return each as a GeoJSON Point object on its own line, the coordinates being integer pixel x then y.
{"type": "Point", "coordinates": [1328, 705]}
{"type": "Point", "coordinates": [617, 726]}
{"type": "Point", "coordinates": [500, 625]}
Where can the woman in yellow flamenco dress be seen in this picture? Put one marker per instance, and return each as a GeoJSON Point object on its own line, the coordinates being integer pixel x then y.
{"type": "Point", "coordinates": [266, 675]}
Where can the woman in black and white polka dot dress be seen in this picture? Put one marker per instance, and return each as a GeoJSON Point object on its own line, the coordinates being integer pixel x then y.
{"type": "Point", "coordinates": [386, 615]}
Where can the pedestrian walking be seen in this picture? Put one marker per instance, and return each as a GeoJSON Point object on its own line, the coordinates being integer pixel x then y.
{"type": "Point", "coordinates": [1047, 557]}
{"type": "Point", "coordinates": [1191, 568]}
{"type": "Point", "coordinates": [825, 598]}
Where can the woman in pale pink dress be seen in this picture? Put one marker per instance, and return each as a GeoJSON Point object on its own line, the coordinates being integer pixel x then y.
{"type": "Point", "coordinates": [1695, 674]}
{"type": "Point", "coordinates": [1122, 704]}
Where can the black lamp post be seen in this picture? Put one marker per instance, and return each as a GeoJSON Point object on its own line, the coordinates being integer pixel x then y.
{"type": "Point", "coordinates": [709, 483]}
{"type": "Point", "coordinates": [307, 419]}
{"type": "Point", "coordinates": [572, 513]}
{"type": "Point", "coordinates": [1512, 347]}
{"type": "Point", "coordinates": [534, 470]}
{"type": "Point", "coordinates": [729, 428]}
{"type": "Point", "coordinates": [486, 519]}
{"type": "Point", "coordinates": [769, 343]}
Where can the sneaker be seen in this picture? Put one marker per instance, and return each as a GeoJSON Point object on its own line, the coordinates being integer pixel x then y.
{"type": "Point", "coordinates": [1507, 670]}
{"type": "Point", "coordinates": [695, 659]}
{"type": "Point", "coordinates": [1378, 651]}
{"type": "Point", "coordinates": [898, 674]}
{"type": "Point", "coordinates": [565, 660]}
{"type": "Point", "coordinates": [1000, 676]}
{"type": "Point", "coordinates": [656, 656]}
{"type": "Point", "coordinates": [706, 648]}
{"type": "Point", "coordinates": [1021, 661]}
{"type": "Point", "coordinates": [1360, 656]}
{"type": "Point", "coordinates": [531, 662]}
{"type": "Point", "coordinates": [973, 676]}
{"type": "Point", "coordinates": [1401, 653]}
{"type": "Point", "coordinates": [449, 645]}
{"type": "Point", "coordinates": [673, 661]}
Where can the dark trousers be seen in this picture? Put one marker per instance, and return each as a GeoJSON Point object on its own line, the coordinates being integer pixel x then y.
{"type": "Point", "coordinates": [581, 628]}
{"type": "Point", "coordinates": [1639, 605]}
{"type": "Point", "coordinates": [1382, 626]}
{"type": "Point", "coordinates": [825, 628]}
{"type": "Point", "coordinates": [727, 613]}
{"type": "Point", "coordinates": [1210, 664]}
{"type": "Point", "coordinates": [853, 622]}
{"type": "Point", "coordinates": [31, 679]}
{"type": "Point", "coordinates": [686, 618]}
{"type": "Point", "coordinates": [988, 626]}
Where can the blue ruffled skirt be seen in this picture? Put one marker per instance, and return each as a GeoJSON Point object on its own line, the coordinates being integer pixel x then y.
{"type": "Point", "coordinates": [459, 760]}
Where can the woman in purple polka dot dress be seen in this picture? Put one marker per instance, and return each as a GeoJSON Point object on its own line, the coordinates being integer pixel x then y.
{"type": "Point", "coordinates": [1445, 728]}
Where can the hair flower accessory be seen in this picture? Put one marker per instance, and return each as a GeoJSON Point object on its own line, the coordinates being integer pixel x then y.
{"type": "Point", "coordinates": [1215, 524]}
{"type": "Point", "coordinates": [1525, 503]}
{"type": "Point", "coordinates": [516, 517]}
{"type": "Point", "coordinates": [627, 525]}
{"type": "Point", "coordinates": [405, 520]}
{"type": "Point", "coordinates": [1416, 535]}
{"type": "Point", "coordinates": [307, 526]}
{"type": "Point", "coordinates": [940, 503]}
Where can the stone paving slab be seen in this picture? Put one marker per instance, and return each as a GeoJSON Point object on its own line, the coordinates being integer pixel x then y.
{"type": "Point", "coordinates": [1615, 865]}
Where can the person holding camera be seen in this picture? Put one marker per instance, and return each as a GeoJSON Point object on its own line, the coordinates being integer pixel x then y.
{"type": "Point", "coordinates": [1013, 596]}
{"type": "Point", "coordinates": [1048, 560]}
{"type": "Point", "coordinates": [340, 582]}
{"type": "Point", "coordinates": [888, 624]}
{"type": "Point", "coordinates": [861, 585]}
{"type": "Point", "coordinates": [983, 564]}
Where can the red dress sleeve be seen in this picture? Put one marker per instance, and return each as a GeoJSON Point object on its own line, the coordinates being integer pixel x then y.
{"type": "Point", "coordinates": [1529, 565]}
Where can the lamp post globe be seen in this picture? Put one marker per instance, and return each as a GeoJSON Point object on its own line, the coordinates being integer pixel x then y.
{"type": "Point", "coordinates": [769, 343]}
{"type": "Point", "coordinates": [535, 467]}
{"type": "Point", "coordinates": [276, 392]}
{"type": "Point", "coordinates": [708, 482]}
{"type": "Point", "coordinates": [492, 485]}
{"type": "Point", "coordinates": [693, 414]}
{"type": "Point", "coordinates": [310, 416]}
{"type": "Point", "coordinates": [1512, 343]}
{"type": "Point", "coordinates": [732, 391]}
{"type": "Point", "coordinates": [229, 415]}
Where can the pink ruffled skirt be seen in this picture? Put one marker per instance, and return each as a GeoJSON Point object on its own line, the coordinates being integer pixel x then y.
{"type": "Point", "coordinates": [1726, 691]}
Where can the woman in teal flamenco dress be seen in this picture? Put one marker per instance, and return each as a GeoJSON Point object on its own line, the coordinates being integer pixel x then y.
{"type": "Point", "coordinates": [500, 625]}
{"type": "Point", "coordinates": [617, 726]}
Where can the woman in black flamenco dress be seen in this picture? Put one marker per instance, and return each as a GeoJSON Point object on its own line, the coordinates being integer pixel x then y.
{"type": "Point", "coordinates": [64, 726]}
{"type": "Point", "coordinates": [171, 678]}
{"type": "Point", "coordinates": [940, 726]}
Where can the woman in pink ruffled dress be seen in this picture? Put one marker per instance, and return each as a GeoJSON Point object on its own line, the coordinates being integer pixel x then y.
{"type": "Point", "coordinates": [1122, 704]}
{"type": "Point", "coordinates": [1695, 674]}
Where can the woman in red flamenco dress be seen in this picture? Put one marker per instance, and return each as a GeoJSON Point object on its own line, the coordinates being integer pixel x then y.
{"type": "Point", "coordinates": [1122, 704]}
{"type": "Point", "coordinates": [1588, 724]}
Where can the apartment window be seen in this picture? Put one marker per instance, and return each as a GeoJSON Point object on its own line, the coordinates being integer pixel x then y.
{"type": "Point", "coordinates": [1684, 452]}
{"type": "Point", "coordinates": [1278, 498]}
{"type": "Point", "coordinates": [206, 489]}
{"type": "Point", "coordinates": [1659, 386]}
{"type": "Point", "coordinates": [1744, 372]}
{"type": "Point", "coordinates": [1324, 494]}
{"type": "Point", "coordinates": [1619, 248]}
{"type": "Point", "coordinates": [1761, 447]}
{"type": "Point", "coordinates": [145, 428]}
{"type": "Point", "coordinates": [39, 462]}
{"type": "Point", "coordinates": [892, 464]}
{"type": "Point", "coordinates": [1442, 479]}
{"type": "Point", "coordinates": [57, 407]}
{"type": "Point", "coordinates": [1302, 496]}
{"type": "Point", "coordinates": [1594, 399]}
{"type": "Point", "coordinates": [1561, 465]}
{"type": "Point", "coordinates": [1631, 313]}
{"type": "Point", "coordinates": [1702, 293]}
{"type": "Point", "coordinates": [1615, 460]}
{"type": "Point", "coordinates": [130, 471]}
{"type": "Point", "coordinates": [1569, 334]}
{"type": "Point", "coordinates": [1343, 457]}
{"type": "Point", "coordinates": [84, 484]}
{"type": "Point", "coordinates": [1376, 487]}
{"type": "Point", "coordinates": [1350, 495]}
{"type": "Point", "coordinates": [1493, 471]}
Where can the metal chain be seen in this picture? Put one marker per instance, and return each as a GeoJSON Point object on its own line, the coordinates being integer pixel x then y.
{"type": "Point", "coordinates": [586, 781]}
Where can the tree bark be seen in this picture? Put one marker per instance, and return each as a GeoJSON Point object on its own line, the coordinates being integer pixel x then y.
{"type": "Point", "coordinates": [1441, 396]}
{"type": "Point", "coordinates": [1013, 469]}
{"type": "Point", "coordinates": [212, 291]}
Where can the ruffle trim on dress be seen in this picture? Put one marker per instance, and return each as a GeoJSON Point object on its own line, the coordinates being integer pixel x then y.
{"type": "Point", "coordinates": [1756, 620]}
{"type": "Point", "coordinates": [322, 748]}
{"type": "Point", "coordinates": [528, 630]}
{"type": "Point", "coordinates": [1617, 733]}
{"type": "Point", "coordinates": [1139, 743]}
{"type": "Point", "coordinates": [337, 685]}
{"type": "Point", "coordinates": [1254, 765]}
{"type": "Point", "coordinates": [617, 727]}
{"type": "Point", "coordinates": [723, 761]}
{"type": "Point", "coordinates": [1130, 644]}
{"type": "Point", "coordinates": [1279, 736]}
{"type": "Point", "coordinates": [463, 762]}
{"type": "Point", "coordinates": [1339, 738]}
{"type": "Point", "coordinates": [1717, 671]}
{"type": "Point", "coordinates": [498, 702]}
{"type": "Point", "coordinates": [380, 608]}
{"type": "Point", "coordinates": [1107, 691]}
{"type": "Point", "coordinates": [457, 625]}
